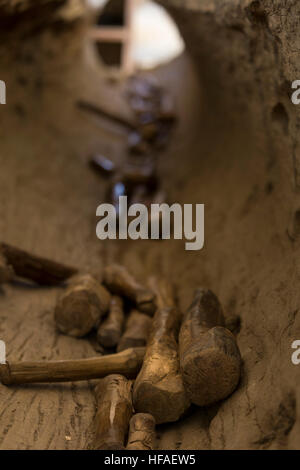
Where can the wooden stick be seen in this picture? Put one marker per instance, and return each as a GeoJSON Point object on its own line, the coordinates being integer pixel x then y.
{"type": "Point", "coordinates": [6, 272]}
{"type": "Point", "coordinates": [141, 432]}
{"type": "Point", "coordinates": [131, 174]}
{"type": "Point", "coordinates": [119, 281]}
{"type": "Point", "coordinates": [127, 363]}
{"type": "Point", "coordinates": [159, 389]}
{"type": "Point", "coordinates": [98, 111]}
{"type": "Point", "coordinates": [40, 270]}
{"type": "Point", "coordinates": [80, 308]}
{"type": "Point", "coordinates": [110, 331]}
{"type": "Point", "coordinates": [210, 359]}
{"type": "Point", "coordinates": [136, 332]}
{"type": "Point", "coordinates": [114, 403]}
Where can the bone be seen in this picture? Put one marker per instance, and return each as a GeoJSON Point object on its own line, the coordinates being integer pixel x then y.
{"type": "Point", "coordinates": [119, 281]}
{"type": "Point", "coordinates": [80, 308]}
{"type": "Point", "coordinates": [136, 332]}
{"type": "Point", "coordinates": [127, 363]}
{"type": "Point", "coordinates": [210, 359]}
{"type": "Point", "coordinates": [40, 270]}
{"type": "Point", "coordinates": [158, 388]}
{"type": "Point", "coordinates": [110, 331]}
{"type": "Point", "coordinates": [114, 403]}
{"type": "Point", "coordinates": [141, 432]}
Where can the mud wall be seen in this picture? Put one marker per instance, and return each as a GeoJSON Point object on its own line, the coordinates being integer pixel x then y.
{"type": "Point", "coordinates": [247, 53]}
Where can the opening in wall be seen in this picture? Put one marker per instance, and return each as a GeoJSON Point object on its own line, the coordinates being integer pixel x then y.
{"type": "Point", "coordinates": [134, 34]}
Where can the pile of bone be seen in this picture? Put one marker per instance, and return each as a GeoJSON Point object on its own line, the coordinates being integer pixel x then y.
{"type": "Point", "coordinates": [154, 117]}
{"type": "Point", "coordinates": [163, 362]}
